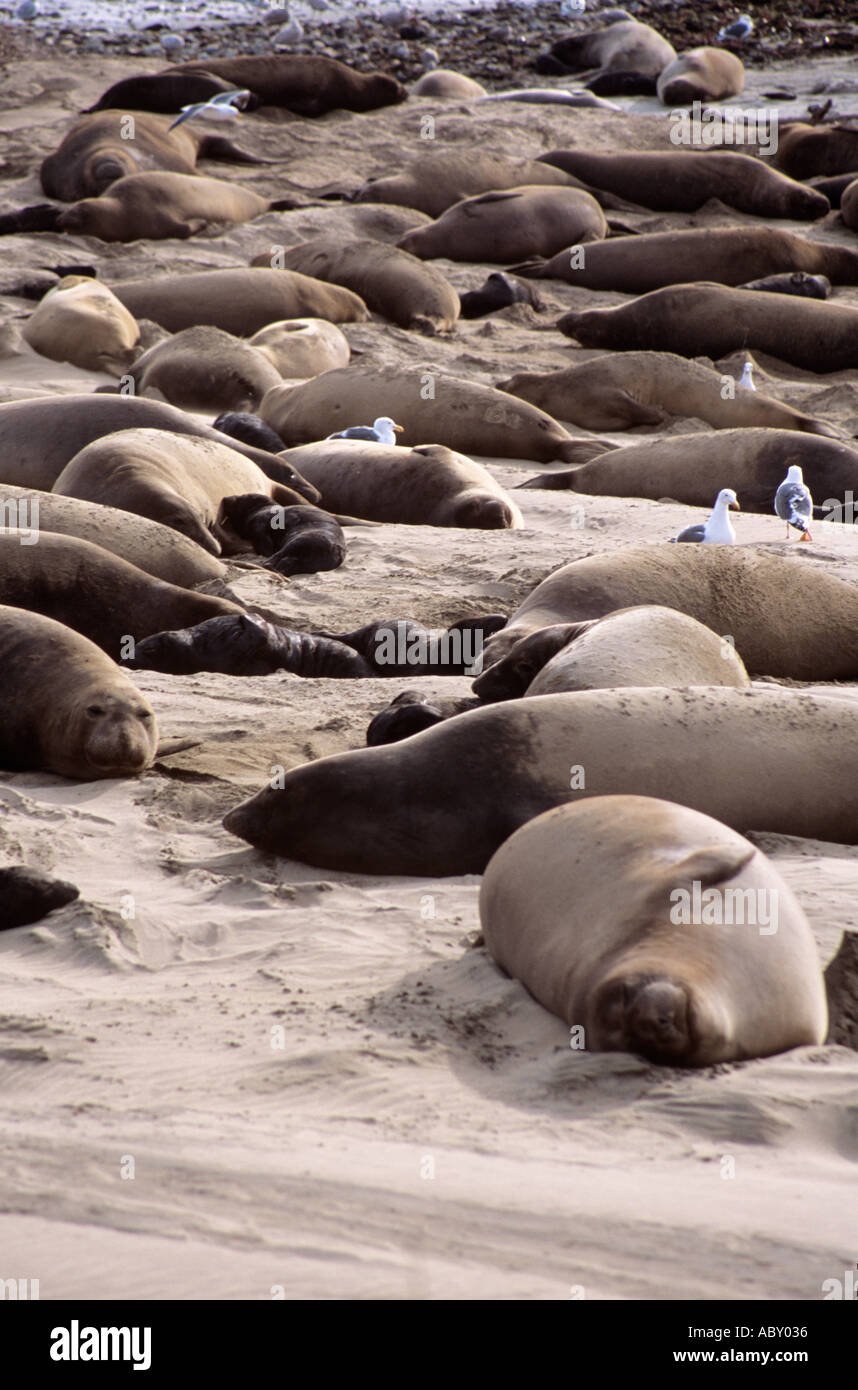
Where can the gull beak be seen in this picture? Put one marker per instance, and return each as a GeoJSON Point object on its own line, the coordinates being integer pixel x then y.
{"type": "Point", "coordinates": [397, 429]}
{"type": "Point", "coordinates": [734, 507]}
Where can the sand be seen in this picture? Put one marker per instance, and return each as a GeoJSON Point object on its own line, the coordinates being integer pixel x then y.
{"type": "Point", "coordinates": [321, 1084]}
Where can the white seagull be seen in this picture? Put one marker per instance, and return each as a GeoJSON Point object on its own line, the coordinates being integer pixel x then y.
{"type": "Point", "coordinates": [793, 503]}
{"type": "Point", "coordinates": [741, 28]}
{"type": "Point", "coordinates": [226, 106]}
{"type": "Point", "coordinates": [719, 528]}
{"type": "Point", "coordinates": [746, 379]}
{"type": "Point", "coordinates": [382, 431]}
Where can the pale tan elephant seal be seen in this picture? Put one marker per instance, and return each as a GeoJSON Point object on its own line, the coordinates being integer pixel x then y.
{"type": "Point", "coordinates": [510, 225]}
{"type": "Point", "coordinates": [623, 56]}
{"type": "Point", "coordinates": [157, 205]}
{"type": "Point", "coordinates": [442, 801]}
{"type": "Point", "coordinates": [701, 74]}
{"type": "Point", "coordinates": [82, 322]}
{"type": "Point", "coordinates": [651, 928]}
{"type": "Point", "coordinates": [65, 707]}
{"type": "Point", "coordinates": [433, 182]}
{"type": "Point", "coordinates": [205, 369]}
{"type": "Point", "coordinates": [241, 300]}
{"type": "Point", "coordinates": [447, 85]}
{"type": "Point", "coordinates": [301, 348]}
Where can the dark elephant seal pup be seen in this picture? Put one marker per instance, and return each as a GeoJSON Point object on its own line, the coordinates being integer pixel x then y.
{"type": "Point", "coordinates": [434, 182]}
{"type": "Point", "coordinates": [204, 369]}
{"type": "Point", "coordinates": [65, 706]}
{"type": "Point", "coordinates": [701, 74]}
{"type": "Point", "coordinates": [245, 645]}
{"type": "Point", "coordinates": [442, 802]}
{"type": "Point", "coordinates": [410, 713]}
{"type": "Point", "coordinates": [158, 205]}
{"type": "Point", "coordinates": [299, 540]}
{"type": "Point", "coordinates": [240, 300]}
{"type": "Point", "coordinates": [249, 429]}
{"type": "Point", "coordinates": [629, 965]}
{"type": "Point", "coordinates": [507, 226]}
{"type": "Point", "coordinates": [307, 84]}
{"type": "Point", "coordinates": [498, 292]}
{"type": "Point", "coordinates": [28, 895]}
{"type": "Point", "coordinates": [798, 282]}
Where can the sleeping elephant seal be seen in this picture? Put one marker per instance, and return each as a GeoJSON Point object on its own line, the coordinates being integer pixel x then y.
{"type": "Point", "coordinates": [728, 255]}
{"type": "Point", "coordinates": [170, 478]}
{"type": "Point", "coordinates": [498, 292]}
{"type": "Point", "coordinates": [410, 713]}
{"type": "Point", "coordinates": [426, 486]}
{"type": "Point", "coordinates": [807, 150]}
{"type": "Point", "coordinates": [65, 707]}
{"type": "Point", "coordinates": [586, 906]}
{"type": "Point", "coordinates": [308, 85]}
{"type": "Point", "coordinates": [434, 182]}
{"type": "Point", "coordinates": [620, 391]}
{"type": "Point", "coordinates": [507, 226]}
{"type": "Point", "coordinates": [799, 282]}
{"type": "Point", "coordinates": [389, 280]}
{"type": "Point", "coordinates": [298, 540]}
{"type": "Point", "coordinates": [767, 604]}
{"type": "Point", "coordinates": [462, 415]}
{"type": "Point", "coordinates": [442, 802]}
{"type": "Point", "coordinates": [701, 74]}
{"type": "Point", "coordinates": [165, 92]}
{"type": "Point", "coordinates": [96, 593]}
{"type": "Point", "coordinates": [447, 85]}
{"type": "Point", "coordinates": [205, 369]}
{"type": "Point", "coordinates": [711, 321]}
{"type": "Point", "coordinates": [241, 300]}
{"type": "Point", "coordinates": [684, 180]}
{"type": "Point", "coordinates": [625, 57]}
{"type": "Point", "coordinates": [245, 645]}
{"type": "Point", "coordinates": [82, 322]}
{"type": "Point", "coordinates": [157, 205]}
{"type": "Point", "coordinates": [849, 206]}
{"type": "Point", "coordinates": [301, 348]}
{"type": "Point", "coordinates": [28, 895]}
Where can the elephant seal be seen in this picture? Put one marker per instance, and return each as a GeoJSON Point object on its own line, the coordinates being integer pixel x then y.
{"type": "Point", "coordinates": [165, 93]}
{"type": "Point", "coordinates": [299, 540]}
{"type": "Point", "coordinates": [507, 226]}
{"type": "Point", "coordinates": [729, 255]}
{"type": "Point", "coordinates": [429, 485]}
{"type": "Point", "coordinates": [442, 802]}
{"type": "Point", "coordinates": [641, 646]}
{"type": "Point", "coordinates": [158, 550]}
{"type": "Point", "coordinates": [65, 707]}
{"type": "Point", "coordinates": [242, 644]}
{"type": "Point", "coordinates": [308, 85]}
{"type": "Point", "coordinates": [449, 86]}
{"type": "Point", "coordinates": [684, 180]}
{"type": "Point", "coordinates": [174, 479]}
{"type": "Point", "coordinates": [807, 150]}
{"type": "Point", "coordinates": [403, 647]}
{"type": "Point", "coordinates": [105, 146]}
{"type": "Point", "coordinates": [498, 292]}
{"type": "Point", "coordinates": [301, 348]}
{"type": "Point", "coordinates": [434, 182]}
{"type": "Point", "coordinates": [39, 437]}
{"type": "Point", "coordinates": [701, 74]}
{"type": "Point", "coordinates": [157, 205]}
{"type": "Point", "coordinates": [388, 280]}
{"type": "Point", "coordinates": [712, 320]}
{"type": "Point", "coordinates": [249, 429]}
{"type": "Point", "coordinates": [620, 391]}
{"type": "Point", "coordinates": [849, 206]}
{"type": "Point", "coordinates": [27, 895]}
{"type": "Point", "coordinates": [98, 594]}
{"type": "Point", "coordinates": [798, 282]}
{"type": "Point", "coordinates": [750, 461]}
{"type": "Point", "coordinates": [462, 415]}
{"type": "Point", "coordinates": [204, 368]}
{"type": "Point", "coordinates": [240, 300]}
{"type": "Point", "coordinates": [835, 187]}
{"type": "Point", "coordinates": [586, 906]}
{"type": "Point", "coordinates": [411, 713]}
{"type": "Point", "coordinates": [767, 604]}
{"type": "Point", "coordinates": [82, 322]}
{"type": "Point", "coordinates": [625, 57]}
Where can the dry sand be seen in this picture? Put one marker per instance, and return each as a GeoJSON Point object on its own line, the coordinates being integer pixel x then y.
{"type": "Point", "coordinates": [325, 1086]}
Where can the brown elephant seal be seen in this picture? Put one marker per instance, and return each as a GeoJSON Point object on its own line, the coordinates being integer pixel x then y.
{"type": "Point", "coordinates": [464, 416]}
{"type": "Point", "coordinates": [301, 348]}
{"type": "Point", "coordinates": [298, 540]}
{"type": "Point", "coordinates": [39, 437]}
{"type": "Point", "coordinates": [712, 320]}
{"type": "Point", "coordinates": [447, 85]}
{"type": "Point", "coordinates": [107, 145]}
{"type": "Point", "coordinates": [165, 93]}
{"type": "Point", "coordinates": [82, 322]}
{"type": "Point", "coordinates": [434, 182]}
{"type": "Point", "coordinates": [625, 57]}
{"type": "Point", "coordinates": [807, 150]}
{"type": "Point", "coordinates": [243, 644]}
{"type": "Point", "coordinates": [442, 802]}
{"type": "Point", "coordinates": [630, 647]}
{"type": "Point", "coordinates": [507, 226]}
{"type": "Point", "coordinates": [308, 85]}
{"type": "Point", "coordinates": [701, 74]}
{"type": "Point", "coordinates": [204, 368]}
{"type": "Point", "coordinates": [633, 967]}
{"type": "Point", "coordinates": [174, 479]}
{"type": "Point", "coordinates": [498, 292]}
{"type": "Point", "coordinates": [766, 604]}
{"type": "Point", "coordinates": [849, 206]}
{"type": "Point", "coordinates": [620, 391]}
{"type": "Point", "coordinates": [388, 280]}
{"type": "Point", "coordinates": [98, 594]}
{"type": "Point", "coordinates": [684, 180]}
{"type": "Point", "coordinates": [158, 550]}
{"type": "Point", "coordinates": [65, 707]}
{"type": "Point", "coordinates": [157, 205]}
{"type": "Point", "coordinates": [750, 461]}
{"type": "Point", "coordinates": [27, 895]}
{"type": "Point", "coordinates": [798, 282]}
{"type": "Point", "coordinates": [429, 485]}
{"type": "Point", "coordinates": [729, 255]}
{"type": "Point", "coordinates": [240, 300]}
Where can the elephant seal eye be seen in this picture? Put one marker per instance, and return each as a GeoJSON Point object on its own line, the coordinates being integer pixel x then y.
{"type": "Point", "coordinates": [94, 711]}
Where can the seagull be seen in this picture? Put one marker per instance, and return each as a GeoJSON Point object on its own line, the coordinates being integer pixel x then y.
{"type": "Point", "coordinates": [382, 431]}
{"type": "Point", "coordinates": [172, 43]}
{"type": "Point", "coordinates": [290, 34]}
{"type": "Point", "coordinates": [741, 28]}
{"type": "Point", "coordinates": [746, 379]}
{"type": "Point", "coordinates": [793, 503]}
{"type": "Point", "coordinates": [226, 106]}
{"type": "Point", "coordinates": [718, 528]}
{"type": "Point", "coordinates": [29, 9]}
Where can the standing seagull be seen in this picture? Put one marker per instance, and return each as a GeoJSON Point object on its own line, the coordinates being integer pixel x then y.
{"type": "Point", "coordinates": [226, 106]}
{"type": "Point", "coordinates": [793, 503]}
{"type": "Point", "coordinates": [382, 431]}
{"type": "Point", "coordinates": [719, 527]}
{"type": "Point", "coordinates": [741, 28]}
{"type": "Point", "coordinates": [746, 379]}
